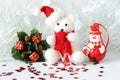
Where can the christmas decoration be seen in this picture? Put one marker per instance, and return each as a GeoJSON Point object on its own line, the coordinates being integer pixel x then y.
{"type": "Point", "coordinates": [19, 45]}
{"type": "Point", "coordinates": [34, 57]}
{"type": "Point", "coordinates": [36, 39]}
{"type": "Point", "coordinates": [29, 48]}
{"type": "Point", "coordinates": [95, 48]}
{"type": "Point", "coordinates": [64, 42]}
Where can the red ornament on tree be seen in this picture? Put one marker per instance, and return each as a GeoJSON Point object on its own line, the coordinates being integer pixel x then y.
{"type": "Point", "coordinates": [34, 57]}
{"type": "Point", "coordinates": [19, 45]}
{"type": "Point", "coordinates": [36, 39]}
{"type": "Point", "coordinates": [95, 48]}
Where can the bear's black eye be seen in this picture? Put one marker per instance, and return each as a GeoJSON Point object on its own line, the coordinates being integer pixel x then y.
{"type": "Point", "coordinates": [57, 23]}
{"type": "Point", "coordinates": [66, 24]}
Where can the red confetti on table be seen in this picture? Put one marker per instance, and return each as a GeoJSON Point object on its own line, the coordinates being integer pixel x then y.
{"type": "Point", "coordinates": [72, 71]}
{"type": "Point", "coordinates": [56, 71]}
{"type": "Point", "coordinates": [75, 77]}
{"type": "Point", "coordinates": [77, 69]}
{"type": "Point", "coordinates": [40, 78]}
{"type": "Point", "coordinates": [32, 77]}
{"type": "Point", "coordinates": [33, 70]}
{"type": "Point", "coordinates": [45, 74]}
{"type": "Point", "coordinates": [63, 69]}
{"type": "Point", "coordinates": [85, 70]}
{"type": "Point", "coordinates": [83, 67]}
{"type": "Point", "coordinates": [20, 69]}
{"type": "Point", "coordinates": [71, 74]}
{"type": "Point", "coordinates": [30, 63]}
{"type": "Point", "coordinates": [51, 68]}
{"type": "Point", "coordinates": [52, 75]}
{"type": "Point", "coordinates": [58, 68]}
{"type": "Point", "coordinates": [6, 73]}
{"type": "Point", "coordinates": [14, 79]}
{"type": "Point", "coordinates": [95, 63]}
{"type": "Point", "coordinates": [101, 71]}
{"type": "Point", "coordinates": [84, 64]}
{"type": "Point", "coordinates": [56, 64]}
{"type": "Point", "coordinates": [101, 66]}
{"type": "Point", "coordinates": [44, 64]}
{"type": "Point", "coordinates": [100, 75]}
{"type": "Point", "coordinates": [4, 65]}
{"type": "Point", "coordinates": [60, 77]}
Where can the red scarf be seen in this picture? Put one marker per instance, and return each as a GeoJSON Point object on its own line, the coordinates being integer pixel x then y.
{"type": "Point", "coordinates": [63, 45]}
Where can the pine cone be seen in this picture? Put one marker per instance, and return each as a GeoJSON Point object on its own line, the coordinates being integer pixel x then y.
{"type": "Point", "coordinates": [40, 47]}
{"type": "Point", "coordinates": [23, 55]}
{"type": "Point", "coordinates": [27, 38]}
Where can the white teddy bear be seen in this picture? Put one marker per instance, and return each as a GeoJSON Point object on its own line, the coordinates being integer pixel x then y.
{"type": "Point", "coordinates": [64, 42]}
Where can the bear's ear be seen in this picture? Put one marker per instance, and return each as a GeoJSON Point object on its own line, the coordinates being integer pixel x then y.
{"type": "Point", "coordinates": [71, 18]}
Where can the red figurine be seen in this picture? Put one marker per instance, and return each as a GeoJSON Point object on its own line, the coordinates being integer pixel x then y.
{"type": "Point", "coordinates": [95, 48]}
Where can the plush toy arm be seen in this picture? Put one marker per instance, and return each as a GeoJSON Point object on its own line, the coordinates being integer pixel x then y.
{"type": "Point", "coordinates": [86, 50]}
{"type": "Point", "coordinates": [102, 49]}
{"type": "Point", "coordinates": [72, 37]}
{"type": "Point", "coordinates": [51, 40]}
{"type": "Point", "coordinates": [90, 45]}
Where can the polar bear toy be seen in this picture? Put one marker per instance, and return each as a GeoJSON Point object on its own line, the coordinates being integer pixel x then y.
{"type": "Point", "coordinates": [64, 41]}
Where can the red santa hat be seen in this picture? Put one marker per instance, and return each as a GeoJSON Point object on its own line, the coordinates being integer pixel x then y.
{"type": "Point", "coordinates": [52, 15]}
{"type": "Point", "coordinates": [47, 10]}
{"type": "Point", "coordinates": [95, 28]}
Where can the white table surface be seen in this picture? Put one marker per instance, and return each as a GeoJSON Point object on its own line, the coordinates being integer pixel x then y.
{"type": "Point", "coordinates": [111, 70]}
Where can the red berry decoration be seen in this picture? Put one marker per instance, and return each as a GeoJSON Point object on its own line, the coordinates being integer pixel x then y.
{"type": "Point", "coordinates": [19, 45]}
{"type": "Point", "coordinates": [36, 39]}
{"type": "Point", "coordinates": [34, 57]}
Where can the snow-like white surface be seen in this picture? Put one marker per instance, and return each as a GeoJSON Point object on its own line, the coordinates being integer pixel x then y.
{"type": "Point", "coordinates": [110, 71]}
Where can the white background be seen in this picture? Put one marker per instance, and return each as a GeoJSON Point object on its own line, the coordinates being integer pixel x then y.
{"type": "Point", "coordinates": [17, 15]}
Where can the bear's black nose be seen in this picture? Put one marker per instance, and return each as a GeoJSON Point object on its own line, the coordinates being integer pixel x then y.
{"type": "Point", "coordinates": [62, 30]}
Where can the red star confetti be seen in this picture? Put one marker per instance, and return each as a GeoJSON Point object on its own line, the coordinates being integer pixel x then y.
{"type": "Point", "coordinates": [14, 79]}
{"type": "Point", "coordinates": [40, 78]}
{"type": "Point", "coordinates": [4, 65]}
{"type": "Point", "coordinates": [32, 77]}
{"type": "Point", "coordinates": [6, 73]}
{"type": "Point", "coordinates": [44, 64]}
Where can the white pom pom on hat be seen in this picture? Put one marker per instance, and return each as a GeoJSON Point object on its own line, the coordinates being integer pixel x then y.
{"type": "Point", "coordinates": [36, 11]}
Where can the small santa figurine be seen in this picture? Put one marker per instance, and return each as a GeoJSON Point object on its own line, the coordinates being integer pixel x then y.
{"type": "Point", "coordinates": [95, 48]}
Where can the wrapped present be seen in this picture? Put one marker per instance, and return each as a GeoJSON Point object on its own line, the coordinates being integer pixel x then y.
{"type": "Point", "coordinates": [36, 39]}
{"type": "Point", "coordinates": [34, 57]}
{"type": "Point", "coordinates": [19, 45]}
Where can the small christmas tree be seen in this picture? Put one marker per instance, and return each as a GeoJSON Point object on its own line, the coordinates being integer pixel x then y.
{"type": "Point", "coordinates": [29, 48]}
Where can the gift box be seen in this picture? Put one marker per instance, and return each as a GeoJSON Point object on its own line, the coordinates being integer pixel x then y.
{"type": "Point", "coordinates": [36, 39]}
{"type": "Point", "coordinates": [19, 45]}
{"type": "Point", "coordinates": [34, 57]}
